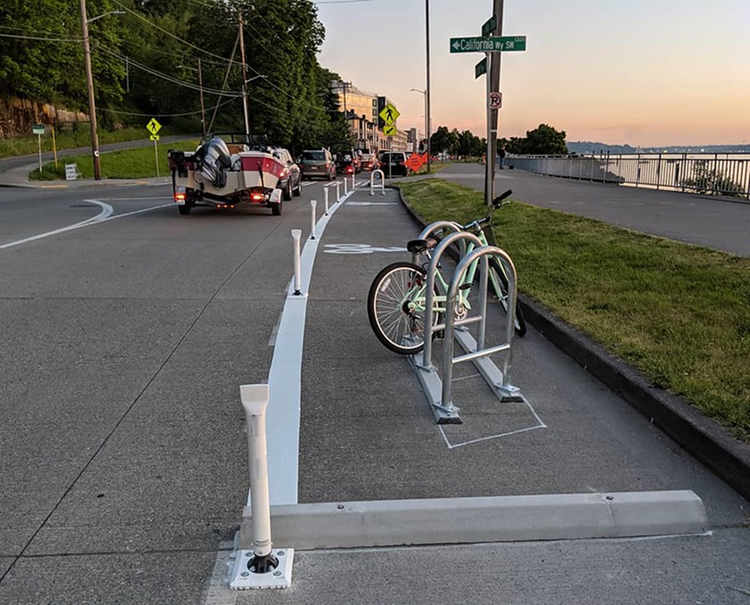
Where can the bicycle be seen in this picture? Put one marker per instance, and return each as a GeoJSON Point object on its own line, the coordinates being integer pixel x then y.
{"type": "Point", "coordinates": [396, 299]}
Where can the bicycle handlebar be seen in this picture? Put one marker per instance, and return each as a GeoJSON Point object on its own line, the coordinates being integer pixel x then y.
{"type": "Point", "coordinates": [496, 203]}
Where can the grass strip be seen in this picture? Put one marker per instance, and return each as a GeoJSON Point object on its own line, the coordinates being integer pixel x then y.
{"type": "Point", "coordinates": [678, 313]}
{"type": "Point", "coordinates": [79, 137]}
{"type": "Point", "coordinates": [139, 163]}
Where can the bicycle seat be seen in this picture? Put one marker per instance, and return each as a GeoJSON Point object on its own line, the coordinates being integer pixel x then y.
{"type": "Point", "coordinates": [417, 246]}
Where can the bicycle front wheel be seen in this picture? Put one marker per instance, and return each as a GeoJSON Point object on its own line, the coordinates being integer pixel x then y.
{"type": "Point", "coordinates": [395, 307]}
{"type": "Point", "coordinates": [500, 282]}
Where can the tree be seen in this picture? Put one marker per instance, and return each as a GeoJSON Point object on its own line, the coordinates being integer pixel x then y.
{"type": "Point", "coordinates": [545, 140]}
{"type": "Point", "coordinates": [443, 141]}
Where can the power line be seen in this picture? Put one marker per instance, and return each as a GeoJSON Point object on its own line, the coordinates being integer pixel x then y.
{"type": "Point", "coordinates": [170, 34]}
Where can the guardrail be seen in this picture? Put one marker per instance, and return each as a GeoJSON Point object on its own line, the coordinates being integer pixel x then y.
{"type": "Point", "coordinates": [713, 174]}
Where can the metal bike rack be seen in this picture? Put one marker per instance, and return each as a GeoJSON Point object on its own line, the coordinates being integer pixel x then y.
{"type": "Point", "coordinates": [432, 228]}
{"type": "Point", "coordinates": [499, 381]}
{"type": "Point", "coordinates": [382, 181]}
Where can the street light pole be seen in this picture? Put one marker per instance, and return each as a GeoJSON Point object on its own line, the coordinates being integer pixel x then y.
{"type": "Point", "coordinates": [244, 77]}
{"type": "Point", "coordinates": [90, 87]}
{"type": "Point", "coordinates": [203, 107]}
{"type": "Point", "coordinates": [424, 92]}
{"type": "Point", "coordinates": [427, 89]}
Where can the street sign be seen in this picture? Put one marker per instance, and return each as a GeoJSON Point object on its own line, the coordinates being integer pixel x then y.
{"type": "Point", "coordinates": [495, 100]}
{"type": "Point", "coordinates": [37, 129]}
{"type": "Point", "coordinates": [153, 126]}
{"type": "Point", "coordinates": [480, 68]}
{"type": "Point", "coordinates": [389, 130]}
{"type": "Point", "coordinates": [416, 161]}
{"type": "Point", "coordinates": [488, 45]}
{"type": "Point", "coordinates": [154, 137]}
{"type": "Point", "coordinates": [489, 26]}
{"type": "Point", "coordinates": [389, 114]}
{"type": "Point", "coordinates": [71, 172]}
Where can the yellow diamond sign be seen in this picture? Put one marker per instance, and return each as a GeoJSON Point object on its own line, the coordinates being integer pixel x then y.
{"type": "Point", "coordinates": [389, 130]}
{"type": "Point", "coordinates": [389, 114]}
{"type": "Point", "coordinates": [153, 126]}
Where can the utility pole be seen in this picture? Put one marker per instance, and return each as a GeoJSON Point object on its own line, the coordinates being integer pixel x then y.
{"type": "Point", "coordinates": [203, 107]}
{"type": "Point", "coordinates": [494, 86]}
{"type": "Point", "coordinates": [427, 87]}
{"type": "Point", "coordinates": [244, 77]}
{"type": "Point", "coordinates": [90, 86]}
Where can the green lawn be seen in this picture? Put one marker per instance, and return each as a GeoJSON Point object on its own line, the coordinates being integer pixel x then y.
{"type": "Point", "coordinates": [80, 137]}
{"type": "Point", "coordinates": [679, 313]}
{"type": "Point", "coordinates": [126, 164]}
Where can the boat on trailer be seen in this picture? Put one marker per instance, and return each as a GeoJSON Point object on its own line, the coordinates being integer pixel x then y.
{"type": "Point", "coordinates": [227, 170]}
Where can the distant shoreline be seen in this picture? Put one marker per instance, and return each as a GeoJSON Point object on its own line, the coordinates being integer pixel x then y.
{"type": "Point", "coordinates": [589, 147]}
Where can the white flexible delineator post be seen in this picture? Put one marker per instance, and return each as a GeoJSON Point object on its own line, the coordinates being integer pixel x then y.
{"type": "Point", "coordinates": [263, 567]}
{"type": "Point", "coordinates": [346, 188]}
{"type": "Point", "coordinates": [313, 204]}
{"type": "Point", "coordinates": [325, 198]}
{"type": "Point", "coordinates": [297, 235]}
{"type": "Point", "coordinates": [338, 191]}
{"type": "Point", "coordinates": [354, 182]}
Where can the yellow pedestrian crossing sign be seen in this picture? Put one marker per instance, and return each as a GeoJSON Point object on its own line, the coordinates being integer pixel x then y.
{"type": "Point", "coordinates": [389, 114]}
{"type": "Point", "coordinates": [390, 130]}
{"type": "Point", "coordinates": [153, 126]}
{"type": "Point", "coordinates": [154, 137]}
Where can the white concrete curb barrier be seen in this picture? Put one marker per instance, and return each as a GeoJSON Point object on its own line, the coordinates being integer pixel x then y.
{"type": "Point", "coordinates": [491, 519]}
{"type": "Point", "coordinates": [263, 567]}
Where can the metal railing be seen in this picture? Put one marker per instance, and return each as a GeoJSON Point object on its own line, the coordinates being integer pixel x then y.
{"type": "Point", "coordinates": [713, 174]}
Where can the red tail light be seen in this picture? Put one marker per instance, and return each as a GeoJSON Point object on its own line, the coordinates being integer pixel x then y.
{"type": "Point", "coordinates": [256, 197]}
{"type": "Point", "coordinates": [180, 196]}
{"type": "Point", "coordinates": [349, 169]}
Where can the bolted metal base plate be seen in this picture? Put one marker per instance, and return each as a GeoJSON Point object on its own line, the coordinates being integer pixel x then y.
{"type": "Point", "coordinates": [241, 578]}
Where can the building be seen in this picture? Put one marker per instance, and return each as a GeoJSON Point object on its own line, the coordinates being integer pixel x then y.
{"type": "Point", "coordinates": [361, 110]}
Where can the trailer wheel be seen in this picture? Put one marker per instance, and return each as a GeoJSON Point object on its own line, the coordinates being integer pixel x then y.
{"type": "Point", "coordinates": [185, 209]}
{"type": "Point", "coordinates": [276, 208]}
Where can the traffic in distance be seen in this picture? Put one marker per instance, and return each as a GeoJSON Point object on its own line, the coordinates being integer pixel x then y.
{"type": "Point", "coordinates": [229, 169]}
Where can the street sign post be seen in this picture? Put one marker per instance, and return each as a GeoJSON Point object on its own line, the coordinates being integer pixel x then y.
{"type": "Point", "coordinates": [153, 127]}
{"type": "Point", "coordinates": [488, 45]}
{"type": "Point", "coordinates": [38, 130]}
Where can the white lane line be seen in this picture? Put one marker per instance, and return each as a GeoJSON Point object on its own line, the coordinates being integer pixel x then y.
{"type": "Point", "coordinates": [104, 216]}
{"type": "Point", "coordinates": [285, 379]}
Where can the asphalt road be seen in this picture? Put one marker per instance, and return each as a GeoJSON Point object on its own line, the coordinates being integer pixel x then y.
{"type": "Point", "coordinates": [123, 343]}
{"type": "Point", "coordinates": [704, 220]}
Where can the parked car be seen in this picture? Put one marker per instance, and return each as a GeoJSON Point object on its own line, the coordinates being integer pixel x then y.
{"type": "Point", "coordinates": [393, 163]}
{"type": "Point", "coordinates": [347, 162]}
{"type": "Point", "coordinates": [369, 161]}
{"type": "Point", "coordinates": [317, 163]}
{"type": "Point", "coordinates": [290, 177]}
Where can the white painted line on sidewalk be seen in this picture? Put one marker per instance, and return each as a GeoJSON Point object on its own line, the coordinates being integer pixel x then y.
{"type": "Point", "coordinates": [104, 216]}
{"type": "Point", "coordinates": [285, 379]}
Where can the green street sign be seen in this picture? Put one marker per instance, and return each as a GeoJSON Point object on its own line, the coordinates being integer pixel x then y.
{"type": "Point", "coordinates": [490, 26]}
{"type": "Point", "coordinates": [488, 45]}
{"type": "Point", "coordinates": [480, 68]}
{"type": "Point", "coordinates": [37, 129]}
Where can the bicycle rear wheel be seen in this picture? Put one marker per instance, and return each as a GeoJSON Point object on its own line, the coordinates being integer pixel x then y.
{"type": "Point", "coordinates": [395, 306]}
{"type": "Point", "coordinates": [497, 276]}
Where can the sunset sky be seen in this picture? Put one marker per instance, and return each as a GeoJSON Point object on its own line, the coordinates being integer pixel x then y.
{"type": "Point", "coordinates": [643, 72]}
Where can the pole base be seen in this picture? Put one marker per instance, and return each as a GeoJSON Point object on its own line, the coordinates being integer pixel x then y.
{"type": "Point", "coordinates": [241, 578]}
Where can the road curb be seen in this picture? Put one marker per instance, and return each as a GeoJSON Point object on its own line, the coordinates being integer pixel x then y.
{"type": "Point", "coordinates": [481, 520]}
{"type": "Point", "coordinates": [706, 440]}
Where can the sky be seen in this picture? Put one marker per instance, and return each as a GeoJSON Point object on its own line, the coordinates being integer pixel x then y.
{"type": "Point", "coordinates": [642, 72]}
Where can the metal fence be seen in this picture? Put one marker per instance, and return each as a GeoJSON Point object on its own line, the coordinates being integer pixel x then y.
{"type": "Point", "coordinates": [714, 174]}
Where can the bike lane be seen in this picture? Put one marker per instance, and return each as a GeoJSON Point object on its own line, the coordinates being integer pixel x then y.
{"type": "Point", "coordinates": [367, 434]}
